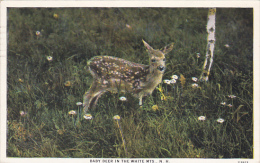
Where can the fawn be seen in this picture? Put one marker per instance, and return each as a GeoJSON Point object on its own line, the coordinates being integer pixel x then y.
{"type": "Point", "coordinates": [119, 75]}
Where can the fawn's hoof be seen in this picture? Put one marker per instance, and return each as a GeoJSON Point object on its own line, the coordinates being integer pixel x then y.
{"type": "Point", "coordinates": [88, 116]}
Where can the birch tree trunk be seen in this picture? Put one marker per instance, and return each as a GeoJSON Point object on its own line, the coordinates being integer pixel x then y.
{"type": "Point", "coordinates": [210, 46]}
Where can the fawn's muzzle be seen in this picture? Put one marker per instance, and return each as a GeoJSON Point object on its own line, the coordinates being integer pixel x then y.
{"type": "Point", "coordinates": [161, 68]}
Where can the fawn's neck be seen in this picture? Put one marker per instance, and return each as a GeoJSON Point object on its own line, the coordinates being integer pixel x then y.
{"type": "Point", "coordinates": [154, 77]}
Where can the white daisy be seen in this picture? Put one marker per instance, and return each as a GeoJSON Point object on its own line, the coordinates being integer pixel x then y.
{"type": "Point", "coordinates": [175, 77]}
{"type": "Point", "coordinates": [23, 113]}
{"type": "Point", "coordinates": [173, 81]}
{"type": "Point", "coordinates": [88, 116]}
{"type": "Point", "coordinates": [195, 85]}
{"type": "Point", "coordinates": [220, 120]}
{"type": "Point", "coordinates": [72, 112]}
{"type": "Point", "coordinates": [78, 103]}
{"type": "Point", "coordinates": [49, 58]}
{"type": "Point", "coordinates": [194, 79]}
{"type": "Point", "coordinates": [122, 98]}
{"type": "Point", "coordinates": [116, 117]}
{"type": "Point", "coordinates": [226, 45]}
{"type": "Point", "coordinates": [201, 118]}
{"type": "Point", "coordinates": [232, 96]}
{"type": "Point", "coordinates": [167, 81]}
{"type": "Point", "coordinates": [37, 33]}
{"type": "Point", "coordinates": [128, 26]}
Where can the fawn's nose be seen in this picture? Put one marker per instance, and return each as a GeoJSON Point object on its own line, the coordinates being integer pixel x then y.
{"type": "Point", "coordinates": [161, 68]}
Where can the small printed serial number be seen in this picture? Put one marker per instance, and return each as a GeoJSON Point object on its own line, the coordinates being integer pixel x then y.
{"type": "Point", "coordinates": [242, 161]}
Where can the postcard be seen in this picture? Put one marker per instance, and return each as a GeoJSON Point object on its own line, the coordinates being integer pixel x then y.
{"type": "Point", "coordinates": [129, 82]}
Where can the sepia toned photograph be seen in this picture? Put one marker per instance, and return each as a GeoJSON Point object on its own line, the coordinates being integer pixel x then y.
{"type": "Point", "coordinates": [130, 82]}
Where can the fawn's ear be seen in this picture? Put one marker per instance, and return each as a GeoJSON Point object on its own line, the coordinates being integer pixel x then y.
{"type": "Point", "coordinates": [147, 46]}
{"type": "Point", "coordinates": [168, 48]}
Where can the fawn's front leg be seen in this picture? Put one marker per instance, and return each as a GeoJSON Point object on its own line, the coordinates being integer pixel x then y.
{"type": "Point", "coordinates": [140, 100]}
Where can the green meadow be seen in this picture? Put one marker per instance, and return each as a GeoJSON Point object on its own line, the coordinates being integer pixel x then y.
{"type": "Point", "coordinates": [48, 49]}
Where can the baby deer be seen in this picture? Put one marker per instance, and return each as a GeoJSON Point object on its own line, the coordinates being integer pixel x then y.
{"type": "Point", "coordinates": [119, 75]}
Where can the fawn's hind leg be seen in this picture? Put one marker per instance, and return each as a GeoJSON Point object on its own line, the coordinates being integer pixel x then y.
{"type": "Point", "coordinates": [91, 100]}
{"type": "Point", "coordinates": [92, 95]}
{"type": "Point", "coordinates": [87, 99]}
{"type": "Point", "coordinates": [96, 98]}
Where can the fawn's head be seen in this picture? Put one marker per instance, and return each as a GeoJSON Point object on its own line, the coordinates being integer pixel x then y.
{"type": "Point", "coordinates": [157, 57]}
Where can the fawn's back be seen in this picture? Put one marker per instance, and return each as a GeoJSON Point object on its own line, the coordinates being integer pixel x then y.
{"type": "Point", "coordinates": [115, 74]}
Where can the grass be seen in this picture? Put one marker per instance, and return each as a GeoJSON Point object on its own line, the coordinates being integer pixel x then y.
{"type": "Point", "coordinates": [47, 90]}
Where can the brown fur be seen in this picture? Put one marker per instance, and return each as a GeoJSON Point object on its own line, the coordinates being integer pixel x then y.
{"type": "Point", "coordinates": [119, 75]}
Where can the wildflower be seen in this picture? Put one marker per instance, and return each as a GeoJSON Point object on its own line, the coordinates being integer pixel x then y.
{"type": "Point", "coordinates": [220, 120]}
{"type": "Point", "coordinates": [201, 118]}
{"type": "Point", "coordinates": [49, 58]}
{"type": "Point", "coordinates": [67, 84]}
{"type": "Point", "coordinates": [20, 80]}
{"type": "Point", "coordinates": [122, 98]}
{"type": "Point", "coordinates": [230, 105]}
{"type": "Point", "coordinates": [160, 89]}
{"type": "Point", "coordinates": [167, 81]}
{"type": "Point", "coordinates": [88, 116]}
{"type": "Point", "coordinates": [163, 98]}
{"type": "Point", "coordinates": [194, 85]}
{"type": "Point", "coordinates": [72, 112]}
{"type": "Point", "coordinates": [232, 96]}
{"type": "Point", "coordinates": [194, 79]}
{"type": "Point", "coordinates": [22, 113]}
{"type": "Point", "coordinates": [198, 55]}
{"type": "Point", "coordinates": [223, 103]}
{"type": "Point", "coordinates": [155, 107]}
{"type": "Point", "coordinates": [116, 117]}
{"type": "Point", "coordinates": [56, 16]}
{"type": "Point", "coordinates": [175, 77]}
{"type": "Point", "coordinates": [226, 45]}
{"type": "Point", "coordinates": [173, 81]}
{"type": "Point", "coordinates": [37, 33]}
{"type": "Point", "coordinates": [128, 26]}
{"type": "Point", "coordinates": [78, 103]}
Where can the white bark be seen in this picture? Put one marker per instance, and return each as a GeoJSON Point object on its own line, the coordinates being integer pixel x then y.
{"type": "Point", "coordinates": [211, 44]}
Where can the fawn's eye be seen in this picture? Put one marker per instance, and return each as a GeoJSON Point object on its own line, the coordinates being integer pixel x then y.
{"type": "Point", "coordinates": [153, 60]}
{"type": "Point", "coordinates": [164, 59]}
